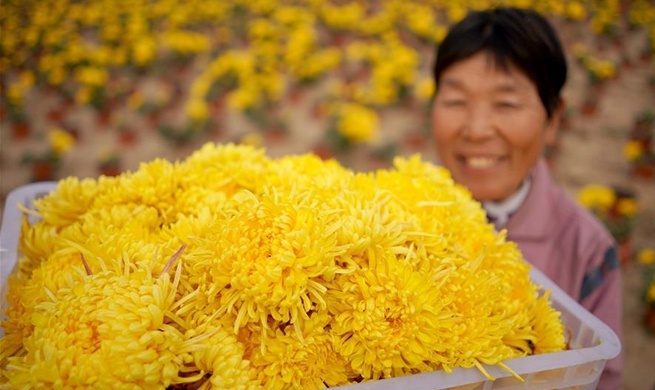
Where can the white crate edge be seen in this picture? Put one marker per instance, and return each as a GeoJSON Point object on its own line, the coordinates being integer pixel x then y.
{"type": "Point", "coordinates": [605, 343]}
{"type": "Point", "coordinates": [10, 228]}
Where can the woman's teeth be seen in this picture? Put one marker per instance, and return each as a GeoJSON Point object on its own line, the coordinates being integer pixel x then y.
{"type": "Point", "coordinates": [481, 162]}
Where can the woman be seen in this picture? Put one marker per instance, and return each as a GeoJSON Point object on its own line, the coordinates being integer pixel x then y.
{"type": "Point", "coordinates": [499, 75]}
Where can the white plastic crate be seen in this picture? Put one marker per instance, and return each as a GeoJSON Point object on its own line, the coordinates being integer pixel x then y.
{"type": "Point", "coordinates": [592, 342]}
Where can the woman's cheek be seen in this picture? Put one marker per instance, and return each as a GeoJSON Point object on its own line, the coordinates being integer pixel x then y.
{"type": "Point", "coordinates": [446, 124]}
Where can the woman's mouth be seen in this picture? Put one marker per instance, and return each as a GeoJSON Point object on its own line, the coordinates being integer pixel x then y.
{"type": "Point", "coordinates": [480, 162]}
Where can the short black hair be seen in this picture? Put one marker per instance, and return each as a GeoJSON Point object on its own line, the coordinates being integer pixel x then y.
{"type": "Point", "coordinates": [512, 36]}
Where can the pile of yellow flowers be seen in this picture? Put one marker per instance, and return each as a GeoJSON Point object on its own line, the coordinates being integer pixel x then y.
{"type": "Point", "coordinates": [234, 270]}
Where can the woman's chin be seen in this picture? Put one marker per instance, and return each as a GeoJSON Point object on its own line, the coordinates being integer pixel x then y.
{"type": "Point", "coordinates": [482, 194]}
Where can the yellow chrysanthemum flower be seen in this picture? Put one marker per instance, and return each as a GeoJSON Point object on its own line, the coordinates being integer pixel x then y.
{"type": "Point", "coordinates": [627, 207]}
{"type": "Point", "coordinates": [632, 150]}
{"type": "Point", "coordinates": [309, 363]}
{"type": "Point", "coordinates": [227, 168]}
{"type": "Point", "coordinates": [105, 318]}
{"type": "Point", "coordinates": [57, 76]}
{"type": "Point", "coordinates": [197, 110]}
{"type": "Point", "coordinates": [390, 318]}
{"type": "Point", "coordinates": [218, 352]}
{"type": "Point", "coordinates": [424, 90]}
{"type": "Point", "coordinates": [15, 93]}
{"type": "Point", "coordinates": [548, 328]}
{"type": "Point", "coordinates": [185, 42]}
{"type": "Point", "coordinates": [243, 98]}
{"type": "Point", "coordinates": [576, 11]}
{"type": "Point", "coordinates": [61, 140]}
{"type": "Point", "coordinates": [274, 264]}
{"type": "Point", "coordinates": [47, 276]}
{"type": "Point", "coordinates": [143, 50]}
{"type": "Point", "coordinates": [92, 76]}
{"type": "Point", "coordinates": [357, 123]}
{"type": "Point", "coordinates": [646, 256]}
{"type": "Point", "coordinates": [596, 196]}
{"type": "Point", "coordinates": [26, 78]}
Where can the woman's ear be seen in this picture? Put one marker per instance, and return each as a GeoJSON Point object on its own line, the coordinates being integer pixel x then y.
{"type": "Point", "coordinates": [552, 127]}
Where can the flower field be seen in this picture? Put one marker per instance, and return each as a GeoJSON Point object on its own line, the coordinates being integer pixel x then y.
{"type": "Point", "coordinates": [184, 69]}
{"type": "Point", "coordinates": [97, 88]}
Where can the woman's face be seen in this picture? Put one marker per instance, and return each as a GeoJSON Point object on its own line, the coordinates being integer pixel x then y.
{"type": "Point", "coordinates": [490, 126]}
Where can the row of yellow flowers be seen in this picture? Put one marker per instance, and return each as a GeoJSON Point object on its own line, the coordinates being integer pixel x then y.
{"type": "Point", "coordinates": [232, 270]}
{"type": "Point", "coordinates": [128, 31]}
{"type": "Point", "coordinates": [265, 47]}
{"type": "Point", "coordinates": [598, 69]}
{"type": "Point", "coordinates": [616, 209]}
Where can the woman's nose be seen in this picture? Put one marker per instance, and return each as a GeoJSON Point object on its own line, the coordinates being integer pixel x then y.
{"type": "Point", "coordinates": [478, 125]}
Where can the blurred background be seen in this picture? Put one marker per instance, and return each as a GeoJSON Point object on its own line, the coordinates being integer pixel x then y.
{"type": "Point", "coordinates": [94, 88]}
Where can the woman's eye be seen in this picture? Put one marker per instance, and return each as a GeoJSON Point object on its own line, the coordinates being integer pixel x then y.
{"type": "Point", "coordinates": [506, 105]}
{"type": "Point", "coordinates": [453, 103]}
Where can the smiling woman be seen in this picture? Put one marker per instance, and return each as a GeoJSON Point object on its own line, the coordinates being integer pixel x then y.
{"type": "Point", "coordinates": [498, 103]}
{"type": "Point", "coordinates": [490, 126]}
{"type": "Point", "coordinates": [499, 74]}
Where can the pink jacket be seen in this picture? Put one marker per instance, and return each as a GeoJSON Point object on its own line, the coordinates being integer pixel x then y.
{"type": "Point", "coordinates": [574, 250]}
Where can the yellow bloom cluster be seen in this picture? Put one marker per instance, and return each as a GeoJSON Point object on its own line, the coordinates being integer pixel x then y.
{"type": "Point", "coordinates": [393, 67]}
{"type": "Point", "coordinates": [422, 20]}
{"type": "Point", "coordinates": [646, 257]}
{"type": "Point", "coordinates": [597, 69]}
{"type": "Point", "coordinates": [627, 207]}
{"type": "Point", "coordinates": [575, 10]}
{"type": "Point", "coordinates": [642, 13]}
{"type": "Point", "coordinates": [185, 42]}
{"type": "Point", "coordinates": [425, 89]}
{"type": "Point", "coordinates": [600, 69]}
{"type": "Point", "coordinates": [17, 91]}
{"type": "Point", "coordinates": [633, 150]}
{"type": "Point", "coordinates": [356, 123]}
{"type": "Point", "coordinates": [606, 16]}
{"type": "Point", "coordinates": [650, 295]}
{"type": "Point", "coordinates": [595, 196]}
{"type": "Point", "coordinates": [636, 152]}
{"type": "Point", "coordinates": [232, 270]}
{"type": "Point", "coordinates": [614, 207]}
{"type": "Point", "coordinates": [61, 140]}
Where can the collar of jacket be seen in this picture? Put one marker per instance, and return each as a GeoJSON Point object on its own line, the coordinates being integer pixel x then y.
{"type": "Point", "coordinates": [535, 217]}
